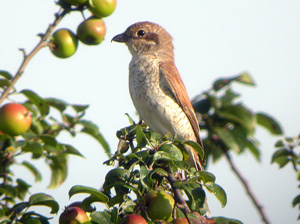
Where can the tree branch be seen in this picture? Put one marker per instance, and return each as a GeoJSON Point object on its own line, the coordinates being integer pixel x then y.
{"type": "Point", "coordinates": [244, 182]}
{"type": "Point", "coordinates": [27, 58]}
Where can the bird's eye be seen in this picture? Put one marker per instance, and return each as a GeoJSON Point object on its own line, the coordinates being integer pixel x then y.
{"type": "Point", "coordinates": [141, 33]}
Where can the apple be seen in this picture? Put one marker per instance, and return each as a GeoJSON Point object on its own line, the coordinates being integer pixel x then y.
{"type": "Point", "coordinates": [102, 8]}
{"type": "Point", "coordinates": [64, 42]}
{"type": "Point", "coordinates": [73, 215]}
{"type": "Point", "coordinates": [91, 31]}
{"type": "Point", "coordinates": [76, 2]}
{"type": "Point", "coordinates": [160, 205]}
{"type": "Point", "coordinates": [15, 119]}
{"type": "Point", "coordinates": [134, 219]}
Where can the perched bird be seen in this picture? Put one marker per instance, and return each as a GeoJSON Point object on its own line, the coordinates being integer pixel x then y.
{"type": "Point", "coordinates": [155, 86]}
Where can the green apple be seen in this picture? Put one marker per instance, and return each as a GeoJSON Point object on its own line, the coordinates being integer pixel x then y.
{"type": "Point", "coordinates": [160, 205]}
{"type": "Point", "coordinates": [64, 42]}
{"type": "Point", "coordinates": [134, 219]}
{"type": "Point", "coordinates": [73, 215]}
{"type": "Point", "coordinates": [91, 31]}
{"type": "Point", "coordinates": [76, 2]}
{"type": "Point", "coordinates": [15, 119]}
{"type": "Point", "coordinates": [102, 8]}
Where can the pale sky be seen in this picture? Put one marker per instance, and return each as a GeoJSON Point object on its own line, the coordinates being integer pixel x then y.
{"type": "Point", "coordinates": [212, 39]}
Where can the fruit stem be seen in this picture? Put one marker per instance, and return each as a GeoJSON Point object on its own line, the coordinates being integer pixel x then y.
{"type": "Point", "coordinates": [27, 58]}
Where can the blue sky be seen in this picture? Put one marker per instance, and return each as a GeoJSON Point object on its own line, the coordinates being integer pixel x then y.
{"type": "Point", "coordinates": [212, 39]}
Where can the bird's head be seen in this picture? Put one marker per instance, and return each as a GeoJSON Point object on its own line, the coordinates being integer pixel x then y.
{"type": "Point", "coordinates": [144, 38]}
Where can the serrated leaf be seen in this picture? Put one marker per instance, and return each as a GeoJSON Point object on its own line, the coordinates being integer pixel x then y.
{"type": "Point", "coordinates": [57, 103]}
{"type": "Point", "coordinates": [245, 78]}
{"type": "Point", "coordinates": [78, 189]}
{"type": "Point", "coordinates": [79, 108]}
{"type": "Point", "coordinates": [269, 123]}
{"type": "Point", "coordinates": [39, 102]}
{"type": "Point", "coordinates": [218, 191]}
{"type": "Point", "coordinates": [93, 130]}
{"type": "Point", "coordinates": [5, 74]}
{"type": "Point", "coordinates": [45, 200]}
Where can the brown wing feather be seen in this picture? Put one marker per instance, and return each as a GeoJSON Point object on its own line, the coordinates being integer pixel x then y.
{"type": "Point", "coordinates": [172, 76]}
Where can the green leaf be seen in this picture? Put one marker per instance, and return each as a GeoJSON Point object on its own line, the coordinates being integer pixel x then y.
{"type": "Point", "coordinates": [5, 74]}
{"type": "Point", "coordinates": [172, 150]}
{"type": "Point", "coordinates": [93, 130]}
{"type": "Point", "coordinates": [269, 123]}
{"type": "Point", "coordinates": [245, 78]}
{"type": "Point", "coordinates": [4, 83]}
{"type": "Point", "coordinates": [45, 200]}
{"type": "Point", "coordinates": [48, 140]}
{"type": "Point", "coordinates": [39, 102]}
{"type": "Point", "coordinates": [8, 190]}
{"type": "Point", "coordinates": [218, 191]}
{"type": "Point", "coordinates": [239, 114]}
{"type": "Point", "coordinates": [78, 189]}
{"type": "Point", "coordinates": [33, 147]}
{"type": "Point", "coordinates": [254, 149]}
{"type": "Point", "coordinates": [79, 108]}
{"type": "Point", "coordinates": [131, 121]}
{"type": "Point", "coordinates": [228, 97]}
{"type": "Point", "coordinates": [91, 199]}
{"type": "Point", "coordinates": [227, 138]}
{"type": "Point", "coordinates": [71, 150]}
{"type": "Point", "coordinates": [296, 200]}
{"type": "Point", "coordinates": [195, 146]}
{"type": "Point", "coordinates": [22, 188]}
{"type": "Point", "coordinates": [59, 169]}
{"type": "Point", "coordinates": [221, 83]}
{"type": "Point", "coordinates": [101, 217]}
{"type": "Point", "coordinates": [224, 220]}
{"type": "Point", "coordinates": [206, 176]}
{"type": "Point", "coordinates": [281, 157]}
{"type": "Point", "coordinates": [58, 104]}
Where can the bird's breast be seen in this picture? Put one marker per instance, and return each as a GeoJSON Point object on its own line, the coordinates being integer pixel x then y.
{"type": "Point", "coordinates": [154, 102]}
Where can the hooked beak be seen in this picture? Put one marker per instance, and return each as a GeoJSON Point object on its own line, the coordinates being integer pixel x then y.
{"type": "Point", "coordinates": [122, 38]}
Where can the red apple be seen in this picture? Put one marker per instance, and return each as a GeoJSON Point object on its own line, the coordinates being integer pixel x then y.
{"type": "Point", "coordinates": [64, 42]}
{"type": "Point", "coordinates": [73, 215]}
{"type": "Point", "coordinates": [160, 205]}
{"type": "Point", "coordinates": [134, 219]}
{"type": "Point", "coordinates": [102, 8]}
{"type": "Point", "coordinates": [15, 119]}
{"type": "Point", "coordinates": [91, 31]}
{"type": "Point", "coordinates": [76, 2]}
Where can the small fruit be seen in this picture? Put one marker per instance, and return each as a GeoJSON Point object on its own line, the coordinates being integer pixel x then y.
{"type": "Point", "coordinates": [102, 8]}
{"type": "Point", "coordinates": [160, 205]}
{"type": "Point", "coordinates": [65, 43]}
{"type": "Point", "coordinates": [134, 219]}
{"type": "Point", "coordinates": [91, 31]}
{"type": "Point", "coordinates": [73, 215]}
{"type": "Point", "coordinates": [15, 119]}
{"type": "Point", "coordinates": [76, 2]}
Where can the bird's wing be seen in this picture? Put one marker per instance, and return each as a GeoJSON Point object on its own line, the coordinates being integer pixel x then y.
{"type": "Point", "coordinates": [170, 72]}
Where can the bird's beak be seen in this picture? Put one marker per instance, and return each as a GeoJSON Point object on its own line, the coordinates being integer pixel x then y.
{"type": "Point", "coordinates": [122, 38]}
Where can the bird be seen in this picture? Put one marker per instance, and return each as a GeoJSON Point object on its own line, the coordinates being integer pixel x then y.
{"type": "Point", "coordinates": [156, 88]}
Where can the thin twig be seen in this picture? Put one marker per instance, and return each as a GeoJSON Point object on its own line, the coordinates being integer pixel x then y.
{"type": "Point", "coordinates": [27, 58]}
{"type": "Point", "coordinates": [244, 182]}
